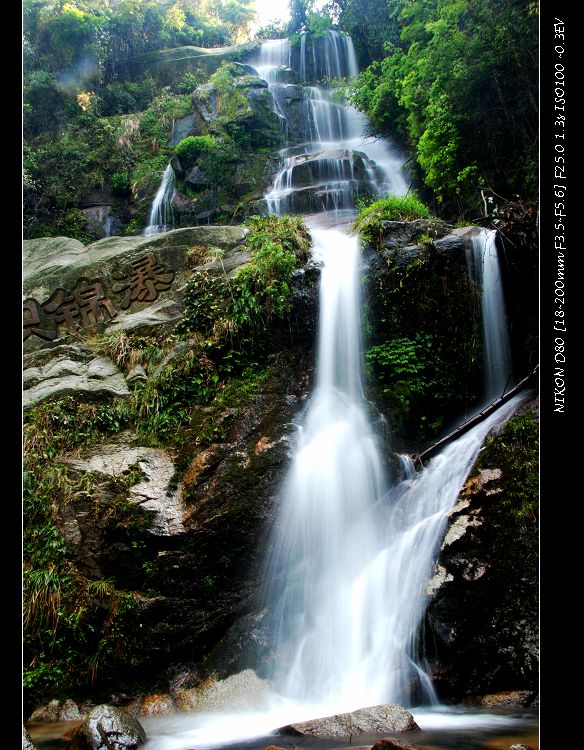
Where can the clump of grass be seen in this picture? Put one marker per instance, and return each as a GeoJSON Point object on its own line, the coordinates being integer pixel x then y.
{"type": "Point", "coordinates": [392, 208]}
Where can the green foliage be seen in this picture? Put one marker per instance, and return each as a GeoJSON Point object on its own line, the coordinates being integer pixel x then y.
{"type": "Point", "coordinates": [73, 627]}
{"type": "Point", "coordinates": [230, 310]}
{"type": "Point", "coordinates": [289, 231]}
{"type": "Point", "coordinates": [458, 81]}
{"type": "Point", "coordinates": [393, 208]}
{"type": "Point", "coordinates": [124, 97]}
{"type": "Point", "coordinates": [396, 208]}
{"type": "Point", "coordinates": [370, 23]}
{"type": "Point", "coordinates": [189, 82]}
{"type": "Point", "coordinates": [318, 23]}
{"type": "Point", "coordinates": [166, 401]}
{"type": "Point", "coordinates": [272, 30]}
{"type": "Point", "coordinates": [156, 122]}
{"type": "Point", "coordinates": [298, 16]}
{"type": "Point", "coordinates": [262, 288]}
{"type": "Point", "coordinates": [193, 147]}
{"type": "Point", "coordinates": [46, 106]}
{"type": "Point", "coordinates": [120, 183]}
{"type": "Point", "coordinates": [205, 302]}
{"type": "Point", "coordinates": [411, 376]}
{"type": "Point", "coordinates": [67, 223]}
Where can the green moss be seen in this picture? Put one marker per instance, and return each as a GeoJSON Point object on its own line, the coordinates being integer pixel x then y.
{"type": "Point", "coordinates": [515, 452]}
{"type": "Point", "coordinates": [231, 103]}
{"type": "Point", "coordinates": [393, 208]}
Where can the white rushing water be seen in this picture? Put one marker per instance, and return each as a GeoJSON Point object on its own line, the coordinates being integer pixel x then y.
{"type": "Point", "coordinates": [349, 557]}
{"type": "Point", "coordinates": [349, 568]}
{"type": "Point", "coordinates": [333, 160]}
{"type": "Point", "coordinates": [161, 212]}
{"type": "Point", "coordinates": [485, 269]}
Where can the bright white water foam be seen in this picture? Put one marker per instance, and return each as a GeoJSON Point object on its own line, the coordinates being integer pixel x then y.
{"type": "Point", "coordinates": [161, 211]}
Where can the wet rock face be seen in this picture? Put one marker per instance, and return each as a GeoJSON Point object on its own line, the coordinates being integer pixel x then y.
{"type": "Point", "coordinates": [208, 578]}
{"type": "Point", "coordinates": [481, 624]}
{"type": "Point", "coordinates": [419, 295]}
{"type": "Point", "coordinates": [107, 728]}
{"type": "Point", "coordinates": [56, 710]}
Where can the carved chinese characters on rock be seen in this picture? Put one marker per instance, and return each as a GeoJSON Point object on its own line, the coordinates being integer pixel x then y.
{"type": "Point", "coordinates": [89, 303]}
{"type": "Point", "coordinates": [31, 319]}
{"type": "Point", "coordinates": [147, 278]}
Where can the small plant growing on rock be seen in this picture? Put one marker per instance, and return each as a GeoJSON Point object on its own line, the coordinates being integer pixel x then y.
{"type": "Point", "coordinates": [392, 208]}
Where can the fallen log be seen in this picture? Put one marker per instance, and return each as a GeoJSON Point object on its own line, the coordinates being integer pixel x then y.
{"type": "Point", "coordinates": [419, 459]}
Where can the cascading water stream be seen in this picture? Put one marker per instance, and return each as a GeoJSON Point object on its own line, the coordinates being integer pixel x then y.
{"type": "Point", "coordinates": [161, 212]}
{"type": "Point", "coordinates": [329, 160]}
{"type": "Point", "coordinates": [485, 270]}
{"type": "Point", "coordinates": [350, 558]}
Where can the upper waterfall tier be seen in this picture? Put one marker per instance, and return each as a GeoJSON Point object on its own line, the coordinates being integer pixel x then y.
{"type": "Point", "coordinates": [325, 59]}
{"type": "Point", "coordinates": [329, 161]}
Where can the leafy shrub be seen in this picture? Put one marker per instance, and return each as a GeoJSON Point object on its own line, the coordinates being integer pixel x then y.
{"type": "Point", "coordinates": [233, 314]}
{"type": "Point", "coordinates": [194, 146]}
{"type": "Point", "coordinates": [120, 182]}
{"type": "Point", "coordinates": [190, 81]}
{"type": "Point", "coordinates": [413, 381]}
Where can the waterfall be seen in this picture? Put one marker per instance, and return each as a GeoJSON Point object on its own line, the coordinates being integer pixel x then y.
{"type": "Point", "coordinates": [349, 557]}
{"type": "Point", "coordinates": [161, 217]}
{"type": "Point", "coordinates": [485, 270]}
{"type": "Point", "coordinates": [329, 161]}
